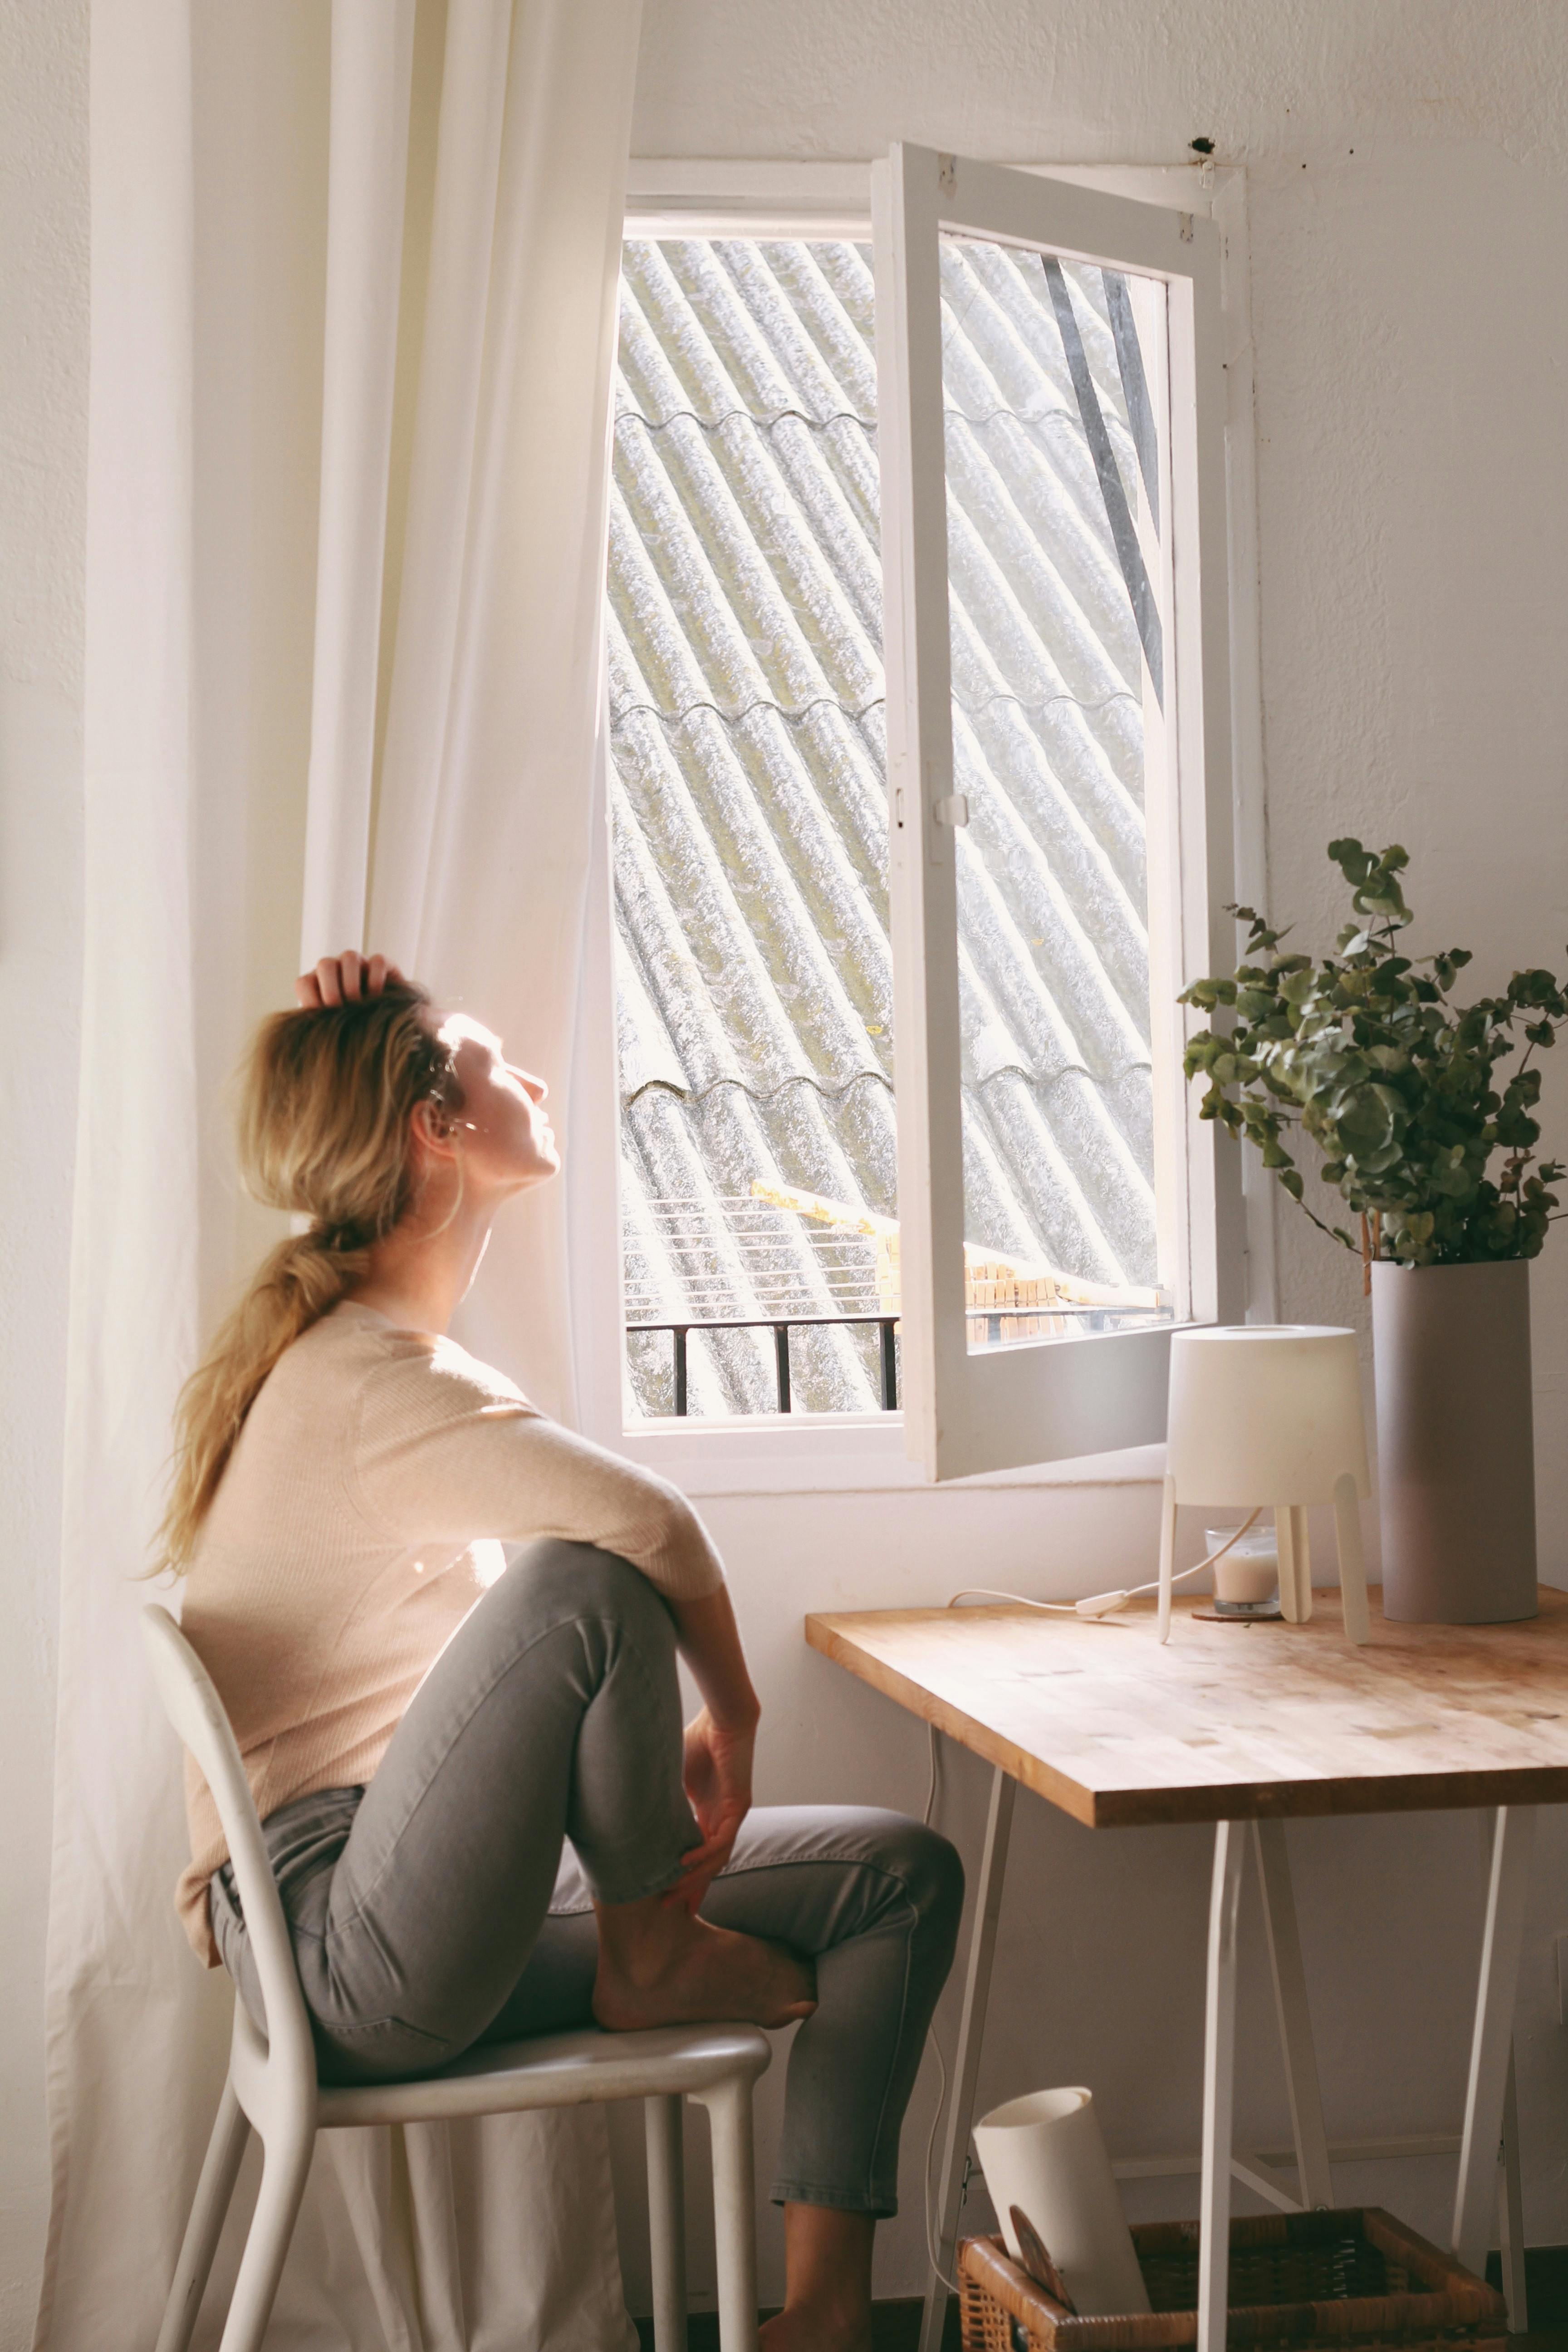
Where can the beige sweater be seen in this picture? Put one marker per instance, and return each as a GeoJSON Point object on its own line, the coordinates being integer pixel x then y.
{"type": "Point", "coordinates": [359, 1519]}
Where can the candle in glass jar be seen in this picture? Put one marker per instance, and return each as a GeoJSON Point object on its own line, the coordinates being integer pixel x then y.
{"type": "Point", "coordinates": [1248, 1573]}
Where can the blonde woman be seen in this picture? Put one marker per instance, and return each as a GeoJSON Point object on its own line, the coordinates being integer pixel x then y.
{"type": "Point", "coordinates": [426, 1727]}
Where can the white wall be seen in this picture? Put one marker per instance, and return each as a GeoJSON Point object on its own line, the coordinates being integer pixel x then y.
{"type": "Point", "coordinates": [43, 468]}
{"type": "Point", "coordinates": [1408, 303]}
{"type": "Point", "coordinates": [1407, 170]}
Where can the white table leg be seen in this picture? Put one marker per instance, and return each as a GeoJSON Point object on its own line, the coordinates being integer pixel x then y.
{"type": "Point", "coordinates": [1294, 2018]}
{"type": "Point", "coordinates": [1491, 2044]}
{"type": "Point", "coordinates": [1510, 2212]}
{"type": "Point", "coordinates": [1219, 2086]}
{"type": "Point", "coordinates": [966, 2061]}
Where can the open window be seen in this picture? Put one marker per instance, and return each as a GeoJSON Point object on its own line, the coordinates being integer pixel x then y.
{"type": "Point", "coordinates": [1051, 420]}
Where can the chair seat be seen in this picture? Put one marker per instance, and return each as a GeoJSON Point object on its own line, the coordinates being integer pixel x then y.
{"type": "Point", "coordinates": [557, 2070]}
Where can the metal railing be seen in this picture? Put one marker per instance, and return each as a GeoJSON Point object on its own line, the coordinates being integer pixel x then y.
{"type": "Point", "coordinates": [1093, 1319]}
{"type": "Point", "coordinates": [781, 1325]}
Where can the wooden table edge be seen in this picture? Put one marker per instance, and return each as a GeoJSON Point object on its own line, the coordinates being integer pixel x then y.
{"type": "Point", "coordinates": [1406, 1792]}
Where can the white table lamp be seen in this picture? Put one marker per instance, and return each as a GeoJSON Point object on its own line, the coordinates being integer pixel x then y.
{"type": "Point", "coordinates": [1270, 1414]}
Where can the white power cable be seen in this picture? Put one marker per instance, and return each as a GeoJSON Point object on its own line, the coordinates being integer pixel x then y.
{"type": "Point", "coordinates": [1096, 1609]}
{"type": "Point", "coordinates": [1098, 1606]}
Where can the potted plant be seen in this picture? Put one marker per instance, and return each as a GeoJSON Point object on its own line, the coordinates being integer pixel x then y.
{"type": "Point", "coordinates": [1432, 1145]}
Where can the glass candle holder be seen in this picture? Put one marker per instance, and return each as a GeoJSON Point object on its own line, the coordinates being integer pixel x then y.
{"type": "Point", "coordinates": [1248, 1577]}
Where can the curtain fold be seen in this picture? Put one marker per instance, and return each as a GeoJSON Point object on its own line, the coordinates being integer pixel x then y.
{"type": "Point", "coordinates": [479, 855]}
{"type": "Point", "coordinates": [367, 172]}
{"type": "Point", "coordinates": [496, 706]}
{"type": "Point", "coordinates": [123, 2014]}
{"type": "Point", "coordinates": [469, 847]}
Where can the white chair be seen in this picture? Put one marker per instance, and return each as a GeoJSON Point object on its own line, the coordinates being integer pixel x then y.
{"type": "Point", "coordinates": [272, 2085]}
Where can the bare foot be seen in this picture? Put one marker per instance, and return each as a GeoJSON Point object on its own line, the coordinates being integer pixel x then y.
{"type": "Point", "coordinates": [659, 1966]}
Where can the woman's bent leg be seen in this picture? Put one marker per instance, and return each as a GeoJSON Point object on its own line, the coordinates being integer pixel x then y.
{"type": "Point", "coordinates": [555, 1709]}
{"type": "Point", "coordinates": [874, 1899]}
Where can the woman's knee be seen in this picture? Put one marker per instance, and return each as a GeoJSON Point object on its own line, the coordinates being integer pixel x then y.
{"type": "Point", "coordinates": [558, 1582]}
{"type": "Point", "coordinates": [927, 1871]}
{"type": "Point", "coordinates": [933, 1872]}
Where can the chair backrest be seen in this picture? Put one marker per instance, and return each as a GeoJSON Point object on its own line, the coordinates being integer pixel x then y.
{"type": "Point", "coordinates": [199, 1715]}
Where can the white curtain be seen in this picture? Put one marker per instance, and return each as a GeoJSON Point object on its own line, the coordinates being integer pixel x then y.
{"type": "Point", "coordinates": [458, 611]}
{"type": "Point", "coordinates": [463, 852]}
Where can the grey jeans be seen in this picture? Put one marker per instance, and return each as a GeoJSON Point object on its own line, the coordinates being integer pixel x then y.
{"type": "Point", "coordinates": [434, 1908]}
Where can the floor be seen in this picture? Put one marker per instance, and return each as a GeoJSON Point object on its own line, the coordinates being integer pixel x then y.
{"type": "Point", "coordinates": [897, 2326]}
{"type": "Point", "coordinates": [1546, 2289]}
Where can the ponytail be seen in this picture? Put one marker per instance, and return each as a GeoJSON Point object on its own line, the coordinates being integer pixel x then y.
{"type": "Point", "coordinates": [329, 1099]}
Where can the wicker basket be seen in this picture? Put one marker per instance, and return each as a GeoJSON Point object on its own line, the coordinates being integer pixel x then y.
{"type": "Point", "coordinates": [1355, 2278]}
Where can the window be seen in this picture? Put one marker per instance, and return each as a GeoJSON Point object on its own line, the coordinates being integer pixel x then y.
{"type": "Point", "coordinates": [1109, 857]}
{"type": "Point", "coordinates": [755, 971]}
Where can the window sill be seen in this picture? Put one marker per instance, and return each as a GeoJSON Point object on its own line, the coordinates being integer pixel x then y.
{"type": "Point", "coordinates": [837, 1453]}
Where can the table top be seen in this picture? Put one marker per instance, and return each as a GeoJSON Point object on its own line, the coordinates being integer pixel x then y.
{"type": "Point", "coordinates": [1237, 1721]}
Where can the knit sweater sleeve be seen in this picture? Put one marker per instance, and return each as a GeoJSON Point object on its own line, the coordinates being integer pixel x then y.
{"type": "Point", "coordinates": [449, 1452]}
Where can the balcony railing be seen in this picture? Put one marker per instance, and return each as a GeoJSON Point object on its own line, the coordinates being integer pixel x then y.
{"type": "Point", "coordinates": [1002, 1329]}
{"type": "Point", "coordinates": [781, 1326]}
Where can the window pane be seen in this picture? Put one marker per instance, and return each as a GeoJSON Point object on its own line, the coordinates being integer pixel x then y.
{"type": "Point", "coordinates": [755, 978]}
{"type": "Point", "coordinates": [1052, 379]}
{"type": "Point", "coordinates": [755, 987]}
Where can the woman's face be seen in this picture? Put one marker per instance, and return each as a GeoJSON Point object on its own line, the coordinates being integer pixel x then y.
{"type": "Point", "coordinates": [505, 1137]}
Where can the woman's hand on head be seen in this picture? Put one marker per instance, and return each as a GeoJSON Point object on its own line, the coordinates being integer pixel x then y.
{"type": "Point", "coordinates": [344, 980]}
{"type": "Point", "coordinates": [716, 1771]}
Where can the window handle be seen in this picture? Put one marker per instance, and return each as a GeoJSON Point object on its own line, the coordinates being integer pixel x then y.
{"type": "Point", "coordinates": [953, 810]}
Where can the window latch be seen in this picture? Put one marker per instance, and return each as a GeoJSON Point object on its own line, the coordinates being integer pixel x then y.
{"type": "Point", "coordinates": [953, 809]}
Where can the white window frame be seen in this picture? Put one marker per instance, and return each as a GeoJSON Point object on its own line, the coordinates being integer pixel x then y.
{"type": "Point", "coordinates": [801, 1452]}
{"type": "Point", "coordinates": [976, 1410]}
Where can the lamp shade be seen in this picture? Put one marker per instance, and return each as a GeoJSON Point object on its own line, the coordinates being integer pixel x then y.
{"type": "Point", "coordinates": [1265, 1412]}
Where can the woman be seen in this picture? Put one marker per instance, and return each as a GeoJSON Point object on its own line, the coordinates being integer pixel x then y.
{"type": "Point", "coordinates": [423, 1725]}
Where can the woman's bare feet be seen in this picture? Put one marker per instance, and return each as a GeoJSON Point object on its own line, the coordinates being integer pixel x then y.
{"type": "Point", "coordinates": [659, 1966]}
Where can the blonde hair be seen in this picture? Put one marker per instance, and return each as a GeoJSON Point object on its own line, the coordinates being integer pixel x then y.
{"type": "Point", "coordinates": [326, 1113]}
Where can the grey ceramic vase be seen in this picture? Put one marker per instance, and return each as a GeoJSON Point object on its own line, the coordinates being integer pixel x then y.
{"type": "Point", "coordinates": [1456, 1451]}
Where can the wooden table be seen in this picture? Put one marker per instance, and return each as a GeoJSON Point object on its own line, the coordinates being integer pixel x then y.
{"type": "Point", "coordinates": [1248, 1726]}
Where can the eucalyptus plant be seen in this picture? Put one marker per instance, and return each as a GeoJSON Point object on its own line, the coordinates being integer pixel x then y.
{"type": "Point", "coordinates": [1364, 1054]}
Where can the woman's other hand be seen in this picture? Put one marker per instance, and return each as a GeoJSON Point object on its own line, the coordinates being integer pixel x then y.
{"type": "Point", "coordinates": [717, 1769]}
{"type": "Point", "coordinates": [719, 1742]}
{"type": "Point", "coordinates": [344, 980]}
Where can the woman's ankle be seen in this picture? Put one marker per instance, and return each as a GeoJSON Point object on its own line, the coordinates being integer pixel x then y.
{"type": "Point", "coordinates": [827, 2272]}
{"type": "Point", "coordinates": [641, 1941]}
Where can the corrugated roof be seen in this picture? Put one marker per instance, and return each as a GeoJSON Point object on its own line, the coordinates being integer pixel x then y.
{"type": "Point", "coordinates": [749, 805]}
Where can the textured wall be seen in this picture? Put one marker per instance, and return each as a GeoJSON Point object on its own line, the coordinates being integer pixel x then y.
{"type": "Point", "coordinates": [1405, 184]}
{"type": "Point", "coordinates": [43, 467]}
{"type": "Point", "coordinates": [1101, 81]}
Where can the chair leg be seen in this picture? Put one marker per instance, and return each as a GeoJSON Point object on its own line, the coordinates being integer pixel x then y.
{"type": "Point", "coordinates": [214, 2189]}
{"type": "Point", "coordinates": [283, 2172]}
{"type": "Point", "coordinates": [728, 2109]}
{"type": "Point", "coordinates": [667, 2220]}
